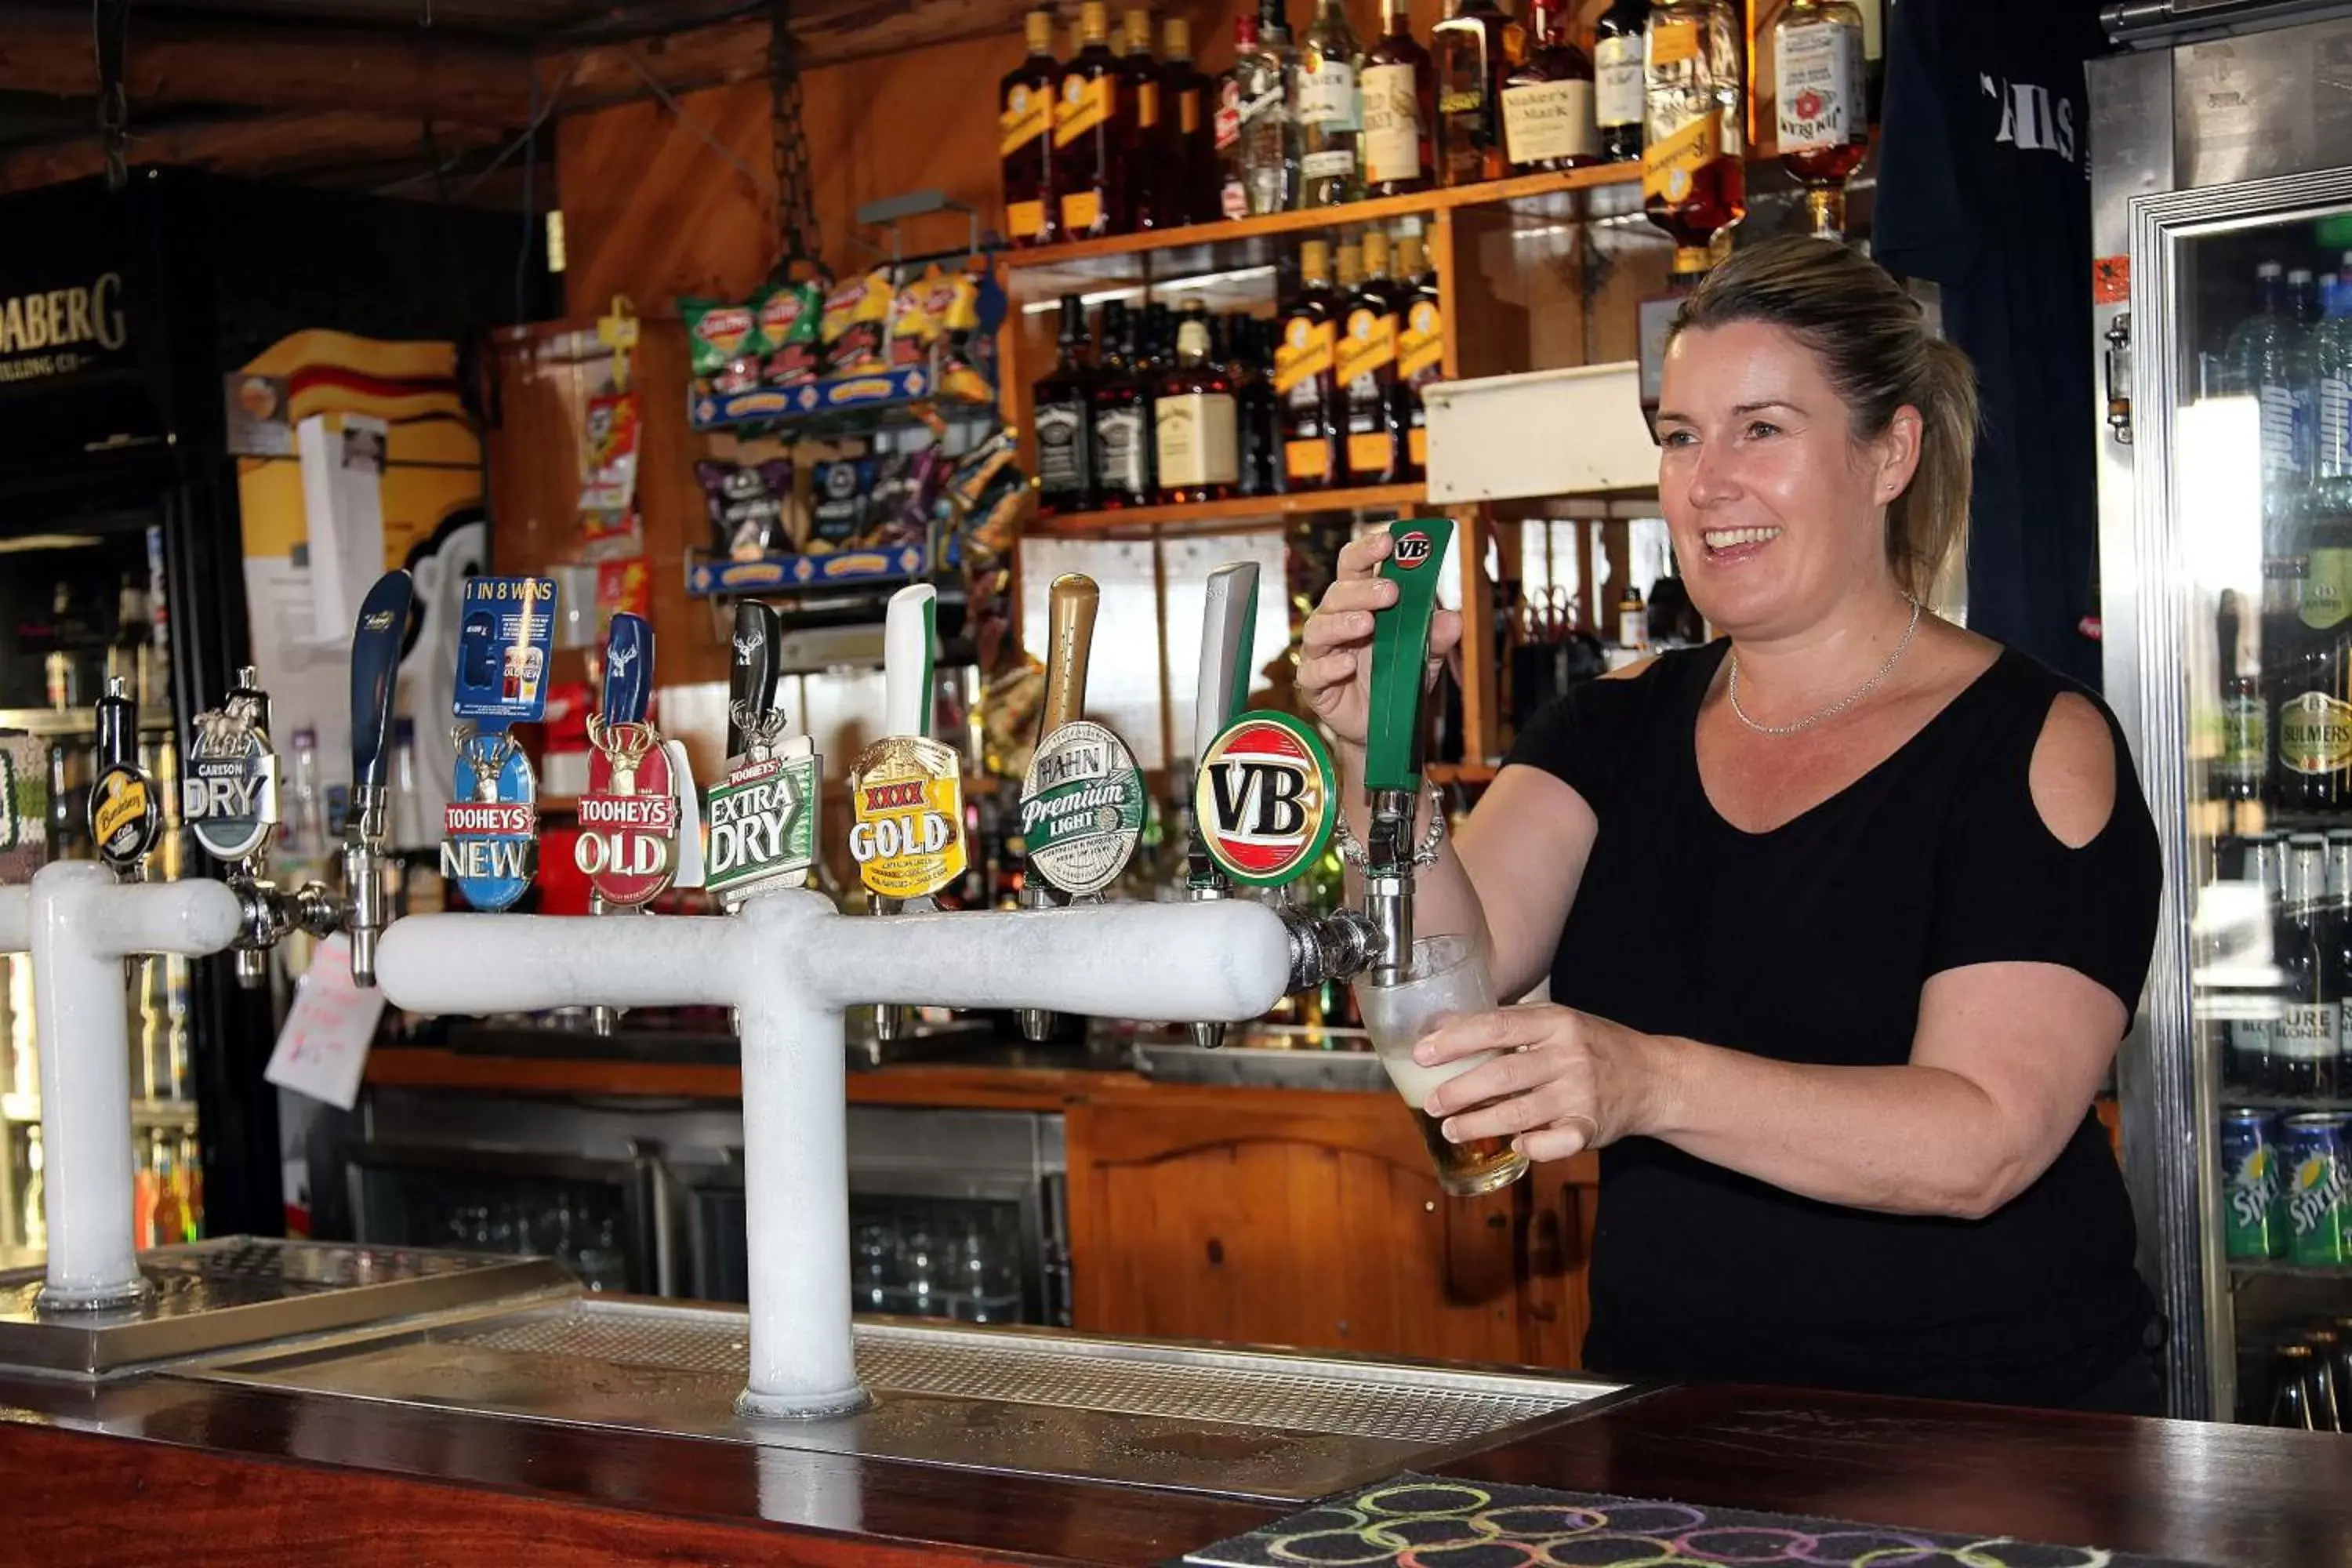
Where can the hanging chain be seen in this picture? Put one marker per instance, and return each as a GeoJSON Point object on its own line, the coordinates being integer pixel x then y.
{"type": "Point", "coordinates": [797, 226]}
{"type": "Point", "coordinates": [111, 31]}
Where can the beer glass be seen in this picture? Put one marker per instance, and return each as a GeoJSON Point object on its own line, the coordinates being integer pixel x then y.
{"type": "Point", "coordinates": [1446, 978]}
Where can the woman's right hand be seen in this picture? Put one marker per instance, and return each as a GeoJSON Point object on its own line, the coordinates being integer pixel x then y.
{"type": "Point", "coordinates": [1334, 663]}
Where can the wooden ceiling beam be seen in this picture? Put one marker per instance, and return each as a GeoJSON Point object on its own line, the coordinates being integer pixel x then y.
{"type": "Point", "coordinates": [269, 144]}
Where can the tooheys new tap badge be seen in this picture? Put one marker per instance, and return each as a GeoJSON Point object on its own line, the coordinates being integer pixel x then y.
{"type": "Point", "coordinates": [490, 843]}
{"type": "Point", "coordinates": [1081, 807]}
{"type": "Point", "coordinates": [1263, 799]}
{"type": "Point", "coordinates": [228, 795]}
{"type": "Point", "coordinates": [763, 816]}
{"type": "Point", "coordinates": [627, 847]}
{"type": "Point", "coordinates": [907, 792]}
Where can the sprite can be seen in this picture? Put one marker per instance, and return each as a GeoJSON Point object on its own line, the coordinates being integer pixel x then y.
{"type": "Point", "coordinates": [2255, 1220]}
{"type": "Point", "coordinates": [2312, 1156]}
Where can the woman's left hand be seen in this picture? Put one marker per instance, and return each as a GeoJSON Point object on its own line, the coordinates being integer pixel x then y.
{"type": "Point", "coordinates": [1566, 1081]}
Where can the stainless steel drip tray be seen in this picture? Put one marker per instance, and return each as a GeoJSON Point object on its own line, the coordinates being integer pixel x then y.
{"type": "Point", "coordinates": [235, 1291]}
{"type": "Point", "coordinates": [1266, 1424]}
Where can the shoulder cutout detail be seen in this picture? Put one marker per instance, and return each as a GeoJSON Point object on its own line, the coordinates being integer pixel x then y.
{"type": "Point", "coordinates": [2074, 772]}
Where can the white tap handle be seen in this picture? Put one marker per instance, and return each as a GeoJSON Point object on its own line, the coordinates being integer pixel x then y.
{"type": "Point", "coordinates": [909, 646]}
{"type": "Point", "coordinates": [1228, 623]}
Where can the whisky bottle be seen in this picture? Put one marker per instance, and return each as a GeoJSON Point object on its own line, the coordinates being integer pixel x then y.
{"type": "Point", "coordinates": [1188, 181]}
{"type": "Point", "coordinates": [1304, 383]}
{"type": "Point", "coordinates": [1693, 183]}
{"type": "Point", "coordinates": [1400, 94]}
{"type": "Point", "coordinates": [1330, 121]}
{"type": "Point", "coordinates": [1547, 113]}
{"type": "Point", "coordinates": [1196, 422]}
{"type": "Point", "coordinates": [1025, 139]}
{"type": "Point", "coordinates": [1062, 416]}
{"type": "Point", "coordinates": [1366, 368]}
{"type": "Point", "coordinates": [1260, 415]}
{"type": "Point", "coordinates": [1471, 50]}
{"type": "Point", "coordinates": [1617, 78]}
{"type": "Point", "coordinates": [1119, 403]}
{"type": "Point", "coordinates": [1421, 349]}
{"type": "Point", "coordinates": [1144, 139]}
{"type": "Point", "coordinates": [1089, 176]}
{"type": "Point", "coordinates": [1817, 96]}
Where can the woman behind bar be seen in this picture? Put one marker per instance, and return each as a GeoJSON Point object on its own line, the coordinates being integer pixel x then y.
{"type": "Point", "coordinates": [1843, 913]}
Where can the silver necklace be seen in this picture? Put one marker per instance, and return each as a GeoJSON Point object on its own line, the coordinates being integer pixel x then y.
{"type": "Point", "coordinates": [1834, 709]}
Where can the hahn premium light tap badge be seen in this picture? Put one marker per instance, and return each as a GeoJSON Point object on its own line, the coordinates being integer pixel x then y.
{"type": "Point", "coordinates": [1082, 807]}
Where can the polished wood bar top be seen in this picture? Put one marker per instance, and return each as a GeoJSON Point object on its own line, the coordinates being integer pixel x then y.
{"type": "Point", "coordinates": [199, 1474]}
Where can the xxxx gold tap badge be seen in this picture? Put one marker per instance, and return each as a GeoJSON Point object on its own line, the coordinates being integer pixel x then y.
{"type": "Point", "coordinates": [627, 847]}
{"type": "Point", "coordinates": [906, 795]}
{"type": "Point", "coordinates": [123, 818]}
{"type": "Point", "coordinates": [1264, 799]}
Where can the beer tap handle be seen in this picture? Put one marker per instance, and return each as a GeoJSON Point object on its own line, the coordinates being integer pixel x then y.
{"type": "Point", "coordinates": [375, 667]}
{"type": "Point", "coordinates": [752, 678]}
{"type": "Point", "coordinates": [629, 668]}
{"type": "Point", "coordinates": [1394, 739]}
{"type": "Point", "coordinates": [1071, 602]}
{"type": "Point", "coordinates": [1228, 623]}
{"type": "Point", "coordinates": [125, 818]}
{"type": "Point", "coordinates": [910, 656]}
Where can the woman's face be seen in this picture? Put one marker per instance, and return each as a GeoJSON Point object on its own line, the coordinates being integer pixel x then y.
{"type": "Point", "coordinates": [1776, 513]}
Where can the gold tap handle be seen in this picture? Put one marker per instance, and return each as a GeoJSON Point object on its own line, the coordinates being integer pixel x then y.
{"type": "Point", "coordinates": [1072, 602]}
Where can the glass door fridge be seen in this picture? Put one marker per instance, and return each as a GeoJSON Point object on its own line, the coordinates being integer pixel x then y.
{"type": "Point", "coordinates": [2223, 227]}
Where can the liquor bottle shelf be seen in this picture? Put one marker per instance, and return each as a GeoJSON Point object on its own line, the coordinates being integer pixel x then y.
{"type": "Point", "coordinates": [2295, 1271]}
{"type": "Point", "coordinates": [2262, 1100]}
{"type": "Point", "coordinates": [1201, 247]}
{"type": "Point", "coordinates": [1460, 773]}
{"type": "Point", "coordinates": [1242, 509]}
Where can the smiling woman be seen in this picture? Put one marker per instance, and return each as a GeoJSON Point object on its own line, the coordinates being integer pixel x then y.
{"type": "Point", "coordinates": [1844, 915]}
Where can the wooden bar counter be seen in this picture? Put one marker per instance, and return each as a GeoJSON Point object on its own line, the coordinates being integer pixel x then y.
{"type": "Point", "coordinates": [164, 1470]}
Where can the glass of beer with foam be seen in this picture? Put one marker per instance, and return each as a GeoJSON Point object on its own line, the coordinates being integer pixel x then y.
{"type": "Point", "coordinates": [1446, 978]}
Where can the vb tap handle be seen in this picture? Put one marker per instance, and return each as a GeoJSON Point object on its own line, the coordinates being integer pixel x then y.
{"type": "Point", "coordinates": [629, 670]}
{"type": "Point", "coordinates": [1392, 742]}
{"type": "Point", "coordinates": [752, 678]}
{"type": "Point", "coordinates": [910, 642]}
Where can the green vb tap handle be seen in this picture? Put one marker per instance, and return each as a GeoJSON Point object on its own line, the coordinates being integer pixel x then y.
{"type": "Point", "coordinates": [1392, 738]}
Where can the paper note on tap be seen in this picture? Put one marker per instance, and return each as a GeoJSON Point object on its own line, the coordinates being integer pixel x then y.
{"type": "Point", "coordinates": [322, 1051]}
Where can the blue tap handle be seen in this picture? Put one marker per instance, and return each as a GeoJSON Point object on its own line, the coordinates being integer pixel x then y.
{"type": "Point", "coordinates": [629, 670]}
{"type": "Point", "coordinates": [375, 665]}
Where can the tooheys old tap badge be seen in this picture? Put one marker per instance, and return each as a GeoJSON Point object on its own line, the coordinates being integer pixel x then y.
{"type": "Point", "coordinates": [1264, 799]}
{"type": "Point", "coordinates": [906, 795]}
{"type": "Point", "coordinates": [1081, 807]}
{"type": "Point", "coordinates": [627, 847]}
{"type": "Point", "coordinates": [490, 842]}
{"type": "Point", "coordinates": [228, 796]}
{"type": "Point", "coordinates": [763, 815]}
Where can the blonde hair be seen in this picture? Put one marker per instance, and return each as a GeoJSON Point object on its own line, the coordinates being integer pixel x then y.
{"type": "Point", "coordinates": [1872, 340]}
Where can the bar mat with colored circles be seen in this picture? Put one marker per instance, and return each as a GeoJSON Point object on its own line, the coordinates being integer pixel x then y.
{"type": "Point", "coordinates": [1422, 1522]}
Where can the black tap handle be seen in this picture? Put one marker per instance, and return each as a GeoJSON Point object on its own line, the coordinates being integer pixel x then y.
{"type": "Point", "coordinates": [752, 678]}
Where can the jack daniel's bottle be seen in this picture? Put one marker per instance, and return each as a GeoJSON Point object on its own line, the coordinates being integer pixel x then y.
{"type": "Point", "coordinates": [1064, 421]}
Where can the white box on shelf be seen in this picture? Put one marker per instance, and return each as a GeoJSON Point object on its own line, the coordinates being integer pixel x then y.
{"type": "Point", "coordinates": [1574, 432]}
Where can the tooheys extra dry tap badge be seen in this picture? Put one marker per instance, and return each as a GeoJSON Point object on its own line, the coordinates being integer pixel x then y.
{"type": "Point", "coordinates": [763, 815]}
{"type": "Point", "coordinates": [627, 847]}
{"type": "Point", "coordinates": [490, 842]}
{"type": "Point", "coordinates": [228, 796]}
{"type": "Point", "coordinates": [906, 795]}
{"type": "Point", "coordinates": [1264, 799]}
{"type": "Point", "coordinates": [1081, 807]}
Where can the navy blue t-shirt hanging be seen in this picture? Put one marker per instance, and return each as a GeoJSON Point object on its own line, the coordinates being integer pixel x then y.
{"type": "Point", "coordinates": [1984, 188]}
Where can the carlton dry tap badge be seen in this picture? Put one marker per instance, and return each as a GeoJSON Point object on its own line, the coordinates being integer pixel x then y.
{"type": "Point", "coordinates": [490, 843]}
{"type": "Point", "coordinates": [1082, 807]}
{"type": "Point", "coordinates": [906, 795]}
{"type": "Point", "coordinates": [229, 793]}
{"type": "Point", "coordinates": [1264, 798]}
{"type": "Point", "coordinates": [763, 814]}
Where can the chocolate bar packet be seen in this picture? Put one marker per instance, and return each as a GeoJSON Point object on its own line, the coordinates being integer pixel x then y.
{"type": "Point", "coordinates": [726, 346]}
{"type": "Point", "coordinates": [746, 502]}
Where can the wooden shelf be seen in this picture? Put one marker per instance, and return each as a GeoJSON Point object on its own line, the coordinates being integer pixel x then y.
{"type": "Point", "coordinates": [1460, 773]}
{"type": "Point", "coordinates": [1243, 509]}
{"type": "Point", "coordinates": [1207, 246]}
